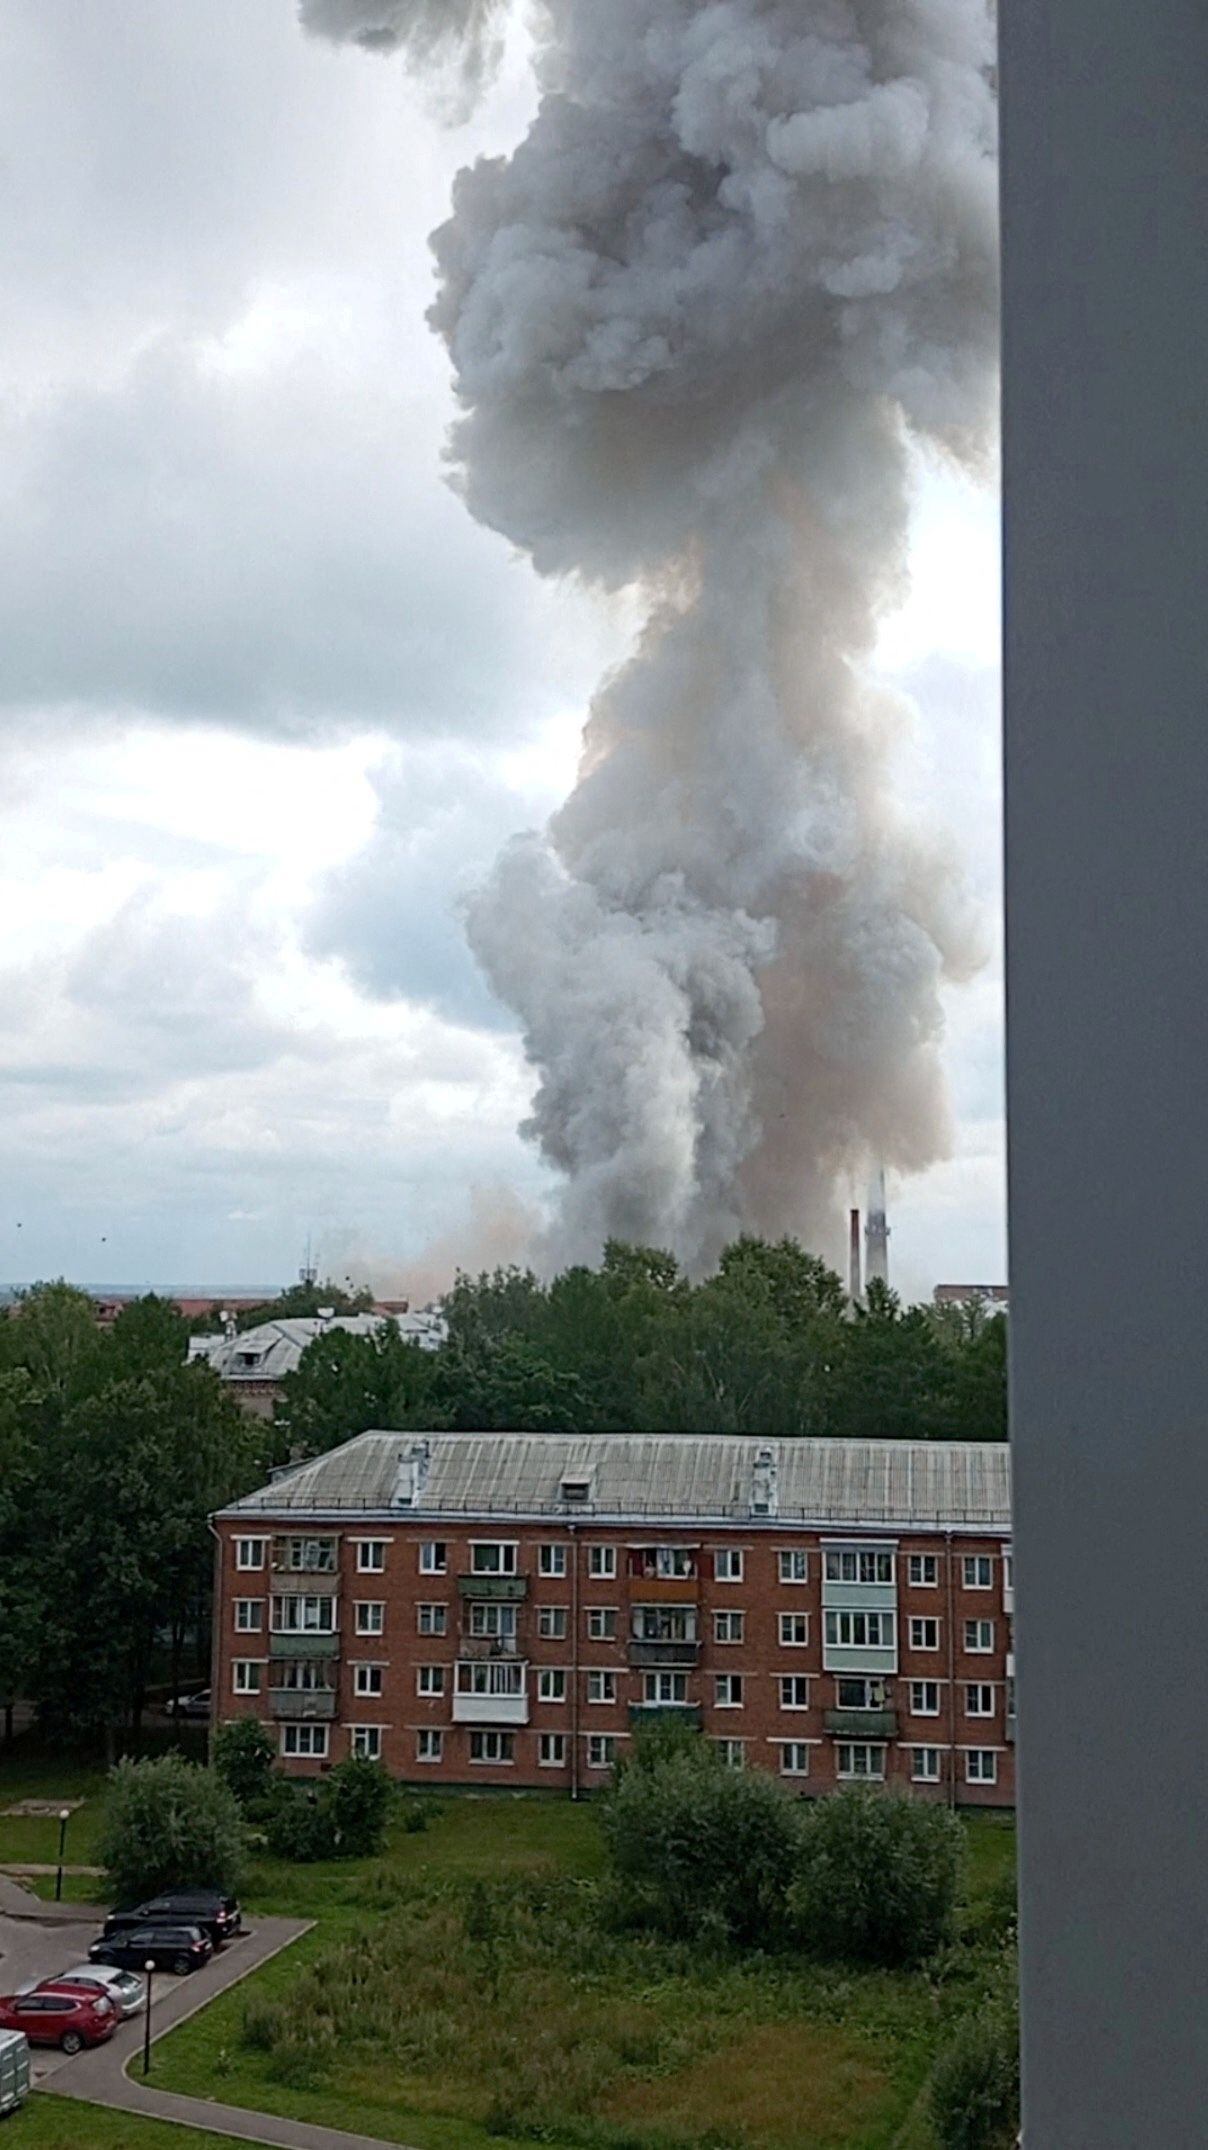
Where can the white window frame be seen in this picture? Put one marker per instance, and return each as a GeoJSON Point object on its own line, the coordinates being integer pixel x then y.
{"type": "Point", "coordinates": [923, 1571]}
{"type": "Point", "coordinates": [601, 1750]}
{"type": "Point", "coordinates": [244, 1623]}
{"type": "Point", "coordinates": [508, 1550]}
{"type": "Point", "coordinates": [982, 1634]}
{"type": "Point", "coordinates": [981, 1765]}
{"type": "Point", "coordinates": [924, 1688]}
{"type": "Point", "coordinates": [920, 1623]}
{"type": "Point", "coordinates": [729, 1627]}
{"type": "Point", "coordinates": [925, 1765]}
{"type": "Point", "coordinates": [434, 1556]}
{"type": "Point", "coordinates": [483, 1737]}
{"type": "Point", "coordinates": [317, 1742]}
{"type": "Point", "coordinates": [729, 1692]}
{"type": "Point", "coordinates": [551, 1558]}
{"type": "Point", "coordinates": [601, 1688]}
{"type": "Point", "coordinates": [366, 1740]}
{"type": "Point", "coordinates": [602, 1563]}
{"type": "Point", "coordinates": [794, 1757]}
{"type": "Point", "coordinates": [858, 1629]}
{"type": "Point", "coordinates": [362, 1608]}
{"type": "Point", "coordinates": [366, 1547]}
{"type": "Point", "coordinates": [848, 1768]}
{"type": "Point", "coordinates": [490, 1676]}
{"type": "Point", "coordinates": [977, 1694]}
{"type": "Point", "coordinates": [846, 1564]}
{"type": "Point", "coordinates": [249, 1555]}
{"type": "Point", "coordinates": [323, 1610]}
{"type": "Point", "coordinates": [551, 1683]}
{"type": "Point", "coordinates": [430, 1681]}
{"type": "Point", "coordinates": [241, 1669]}
{"type": "Point", "coordinates": [363, 1681]}
{"type": "Point", "coordinates": [978, 1571]}
{"type": "Point", "coordinates": [430, 1744]}
{"type": "Point", "coordinates": [553, 1622]}
{"type": "Point", "coordinates": [664, 1690]}
{"type": "Point", "coordinates": [493, 1618]}
{"type": "Point", "coordinates": [790, 1639]}
{"type": "Point", "coordinates": [551, 1750]}
{"type": "Point", "coordinates": [794, 1564]}
{"type": "Point", "coordinates": [733, 1752]}
{"type": "Point", "coordinates": [431, 1617]}
{"type": "Point", "coordinates": [606, 1617]}
{"type": "Point", "coordinates": [788, 1684]}
{"type": "Point", "coordinates": [728, 1564]}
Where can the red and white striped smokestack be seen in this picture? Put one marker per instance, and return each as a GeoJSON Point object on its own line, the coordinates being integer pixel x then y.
{"type": "Point", "coordinates": [853, 1260]}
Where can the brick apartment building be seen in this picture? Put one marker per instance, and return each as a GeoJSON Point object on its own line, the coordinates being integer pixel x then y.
{"type": "Point", "coordinates": [504, 1609]}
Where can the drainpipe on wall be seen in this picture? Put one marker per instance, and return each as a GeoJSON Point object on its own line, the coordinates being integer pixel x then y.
{"type": "Point", "coordinates": [951, 1623]}
{"type": "Point", "coordinates": [216, 1633]}
{"type": "Point", "coordinates": [574, 1661]}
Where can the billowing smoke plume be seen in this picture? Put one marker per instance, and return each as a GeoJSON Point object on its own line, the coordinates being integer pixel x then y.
{"type": "Point", "coordinates": [746, 250]}
{"type": "Point", "coordinates": [429, 32]}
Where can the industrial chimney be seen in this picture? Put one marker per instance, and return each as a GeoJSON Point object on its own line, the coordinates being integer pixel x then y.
{"type": "Point", "coordinates": [876, 1234]}
{"type": "Point", "coordinates": [853, 1257]}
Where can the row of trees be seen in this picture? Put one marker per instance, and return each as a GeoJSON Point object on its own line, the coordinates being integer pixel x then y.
{"type": "Point", "coordinates": [769, 1344]}
{"type": "Point", "coordinates": [113, 1453]}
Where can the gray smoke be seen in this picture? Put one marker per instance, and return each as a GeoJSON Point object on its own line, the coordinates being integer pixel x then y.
{"type": "Point", "coordinates": [745, 252]}
{"type": "Point", "coordinates": [441, 33]}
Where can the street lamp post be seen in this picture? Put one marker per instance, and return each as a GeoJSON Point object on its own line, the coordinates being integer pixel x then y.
{"type": "Point", "coordinates": [149, 1968]}
{"type": "Point", "coordinates": [64, 1813]}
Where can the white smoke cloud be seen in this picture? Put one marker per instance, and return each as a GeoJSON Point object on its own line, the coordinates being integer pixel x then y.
{"type": "Point", "coordinates": [746, 251]}
{"type": "Point", "coordinates": [456, 34]}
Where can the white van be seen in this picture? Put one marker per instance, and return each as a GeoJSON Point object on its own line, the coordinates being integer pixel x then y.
{"type": "Point", "coordinates": [14, 2070]}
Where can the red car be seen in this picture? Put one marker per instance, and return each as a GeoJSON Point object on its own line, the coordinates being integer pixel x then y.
{"type": "Point", "coordinates": [60, 2014]}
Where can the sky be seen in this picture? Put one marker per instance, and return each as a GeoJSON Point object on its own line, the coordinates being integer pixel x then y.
{"type": "Point", "coordinates": [270, 701]}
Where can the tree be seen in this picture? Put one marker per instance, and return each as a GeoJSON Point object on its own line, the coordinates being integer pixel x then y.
{"type": "Point", "coordinates": [243, 1755]}
{"type": "Point", "coordinates": [344, 1384]}
{"type": "Point", "coordinates": [52, 1336]}
{"type": "Point", "coordinates": [357, 1797]}
{"type": "Point", "coordinates": [696, 1848]}
{"type": "Point", "coordinates": [876, 1878]}
{"type": "Point", "coordinates": [304, 1300]}
{"type": "Point", "coordinates": [169, 1824]}
{"type": "Point", "coordinates": [149, 1333]}
{"type": "Point", "coordinates": [974, 2094]}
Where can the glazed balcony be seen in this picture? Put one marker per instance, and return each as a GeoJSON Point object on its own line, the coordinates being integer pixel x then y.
{"type": "Point", "coordinates": [302, 1705]}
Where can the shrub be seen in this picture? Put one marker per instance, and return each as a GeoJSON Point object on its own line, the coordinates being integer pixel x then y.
{"type": "Point", "coordinates": [415, 1819]}
{"type": "Point", "coordinates": [697, 1849]}
{"type": "Point", "coordinates": [169, 1824]}
{"type": "Point", "coordinates": [243, 1755]}
{"type": "Point", "coordinates": [297, 1826]}
{"type": "Point", "coordinates": [975, 2088]}
{"type": "Point", "coordinates": [876, 1878]}
{"type": "Point", "coordinates": [356, 1799]}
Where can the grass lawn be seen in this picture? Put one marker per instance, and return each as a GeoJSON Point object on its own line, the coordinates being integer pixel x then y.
{"type": "Point", "coordinates": [48, 2123]}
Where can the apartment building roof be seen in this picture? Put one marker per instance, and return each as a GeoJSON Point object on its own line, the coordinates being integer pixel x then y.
{"type": "Point", "coordinates": [630, 1477]}
{"type": "Point", "coordinates": [274, 1348]}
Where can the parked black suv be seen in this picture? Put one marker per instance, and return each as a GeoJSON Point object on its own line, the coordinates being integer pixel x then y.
{"type": "Point", "coordinates": [169, 1948]}
{"type": "Point", "coordinates": [218, 1916]}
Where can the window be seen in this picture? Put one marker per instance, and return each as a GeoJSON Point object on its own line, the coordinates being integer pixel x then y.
{"type": "Point", "coordinates": [727, 1691]}
{"type": "Point", "coordinates": [249, 1552]}
{"type": "Point", "coordinates": [601, 1750]}
{"type": "Point", "coordinates": [367, 1679]}
{"type": "Point", "coordinates": [667, 1562]}
{"type": "Point", "coordinates": [979, 1572]}
{"type": "Point", "coordinates": [979, 1699]}
{"type": "Point", "coordinates": [602, 1561]}
{"type": "Point", "coordinates": [858, 1758]}
{"type": "Point", "coordinates": [304, 1616]}
{"type": "Point", "coordinates": [551, 1750]}
{"type": "Point", "coordinates": [924, 1634]}
{"type": "Point", "coordinates": [367, 1741]}
{"type": "Point", "coordinates": [727, 1564]}
{"type": "Point", "coordinates": [601, 1687]}
{"type": "Point", "coordinates": [551, 1684]}
{"type": "Point", "coordinates": [857, 1567]}
{"type": "Point", "coordinates": [602, 1623]}
{"type": "Point", "coordinates": [498, 1622]}
{"type": "Point", "coordinates": [371, 1556]}
{"type": "Point", "coordinates": [576, 1489]}
{"type": "Point", "coordinates": [318, 1555]}
{"type": "Point", "coordinates": [795, 1693]}
{"type": "Point", "coordinates": [925, 1765]}
{"type": "Point", "coordinates": [248, 1674]}
{"type": "Point", "coordinates": [924, 1574]}
{"type": "Point", "coordinates": [733, 1753]}
{"type": "Point", "coordinates": [492, 1556]}
{"type": "Point", "coordinates": [979, 1637]}
{"type": "Point", "coordinates": [551, 1623]}
{"type": "Point", "coordinates": [860, 1630]}
{"type": "Point", "coordinates": [794, 1758]}
{"type": "Point", "coordinates": [304, 1675]}
{"type": "Point", "coordinates": [664, 1623]}
{"type": "Point", "coordinates": [552, 1560]}
{"type": "Point", "coordinates": [433, 1557]}
{"type": "Point", "coordinates": [795, 1629]}
{"type": "Point", "coordinates": [429, 1679]}
{"type": "Point", "coordinates": [981, 1766]}
{"type": "Point", "coordinates": [429, 1746]}
{"type": "Point", "coordinates": [307, 1741]}
{"type": "Point", "coordinates": [662, 1688]}
{"type": "Point", "coordinates": [490, 1678]}
{"type": "Point", "coordinates": [794, 1567]}
{"type": "Point", "coordinates": [728, 1627]}
{"type": "Point", "coordinates": [924, 1698]}
{"type": "Point", "coordinates": [432, 1619]}
{"type": "Point", "coordinates": [249, 1615]}
{"type": "Point", "coordinates": [492, 1746]}
{"type": "Point", "coordinates": [370, 1617]}
{"type": "Point", "coordinates": [856, 1694]}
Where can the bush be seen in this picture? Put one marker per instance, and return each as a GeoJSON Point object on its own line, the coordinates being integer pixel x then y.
{"type": "Point", "coordinates": [297, 1826]}
{"type": "Point", "coordinates": [243, 1755]}
{"type": "Point", "coordinates": [975, 2088]}
{"type": "Point", "coordinates": [696, 1848]}
{"type": "Point", "coordinates": [169, 1824]}
{"type": "Point", "coordinates": [876, 1878]}
{"type": "Point", "coordinates": [356, 1798]}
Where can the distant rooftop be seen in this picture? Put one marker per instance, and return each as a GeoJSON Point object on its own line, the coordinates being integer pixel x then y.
{"type": "Point", "coordinates": [274, 1348]}
{"type": "Point", "coordinates": [628, 1477]}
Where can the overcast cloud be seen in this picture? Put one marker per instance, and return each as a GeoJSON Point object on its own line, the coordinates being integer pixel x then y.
{"type": "Point", "coordinates": [270, 700]}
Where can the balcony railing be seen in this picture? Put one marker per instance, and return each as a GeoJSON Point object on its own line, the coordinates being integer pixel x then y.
{"type": "Point", "coordinates": [509, 1588]}
{"type": "Point", "coordinates": [324, 1644]}
{"type": "Point", "coordinates": [862, 1724]}
{"type": "Point", "coordinates": [653, 1656]}
{"type": "Point", "coordinates": [643, 1713]}
{"type": "Point", "coordinates": [302, 1705]}
{"type": "Point", "coordinates": [304, 1582]}
{"type": "Point", "coordinates": [664, 1589]}
{"type": "Point", "coordinates": [478, 1647]}
{"type": "Point", "coordinates": [490, 1709]}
